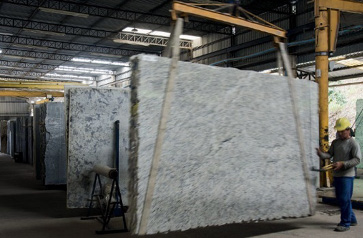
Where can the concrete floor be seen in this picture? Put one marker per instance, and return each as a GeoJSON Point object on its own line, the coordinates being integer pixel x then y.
{"type": "Point", "coordinates": [28, 210]}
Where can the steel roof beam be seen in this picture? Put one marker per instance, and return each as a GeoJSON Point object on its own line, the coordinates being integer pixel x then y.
{"type": "Point", "coordinates": [121, 14]}
{"type": "Point", "coordinates": [38, 55]}
{"type": "Point", "coordinates": [20, 73]}
{"type": "Point", "coordinates": [27, 65]}
{"type": "Point", "coordinates": [54, 28]}
{"type": "Point", "coordinates": [59, 45]}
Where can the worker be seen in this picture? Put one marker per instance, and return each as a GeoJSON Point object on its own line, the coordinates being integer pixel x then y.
{"type": "Point", "coordinates": [346, 154]}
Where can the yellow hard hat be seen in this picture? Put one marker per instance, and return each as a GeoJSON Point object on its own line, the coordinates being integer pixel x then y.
{"type": "Point", "coordinates": [342, 124]}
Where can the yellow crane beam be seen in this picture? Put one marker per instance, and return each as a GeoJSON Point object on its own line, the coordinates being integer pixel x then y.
{"type": "Point", "coordinates": [42, 82]}
{"type": "Point", "coordinates": [341, 5]}
{"type": "Point", "coordinates": [27, 94]}
{"type": "Point", "coordinates": [37, 84]}
{"type": "Point", "coordinates": [32, 86]}
{"type": "Point", "coordinates": [184, 8]}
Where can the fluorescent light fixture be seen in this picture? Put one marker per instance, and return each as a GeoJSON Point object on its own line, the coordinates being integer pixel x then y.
{"type": "Point", "coordinates": [189, 37]}
{"type": "Point", "coordinates": [84, 60]}
{"type": "Point", "coordinates": [121, 64]}
{"type": "Point", "coordinates": [160, 33]}
{"type": "Point", "coordinates": [138, 30]}
{"type": "Point", "coordinates": [67, 76]}
{"type": "Point", "coordinates": [75, 14]}
{"type": "Point", "coordinates": [19, 57]}
{"type": "Point", "coordinates": [95, 61]}
{"type": "Point", "coordinates": [130, 42]}
{"type": "Point", "coordinates": [84, 70]}
{"type": "Point", "coordinates": [6, 34]}
{"type": "Point", "coordinates": [44, 32]}
{"type": "Point", "coordinates": [101, 62]}
{"type": "Point", "coordinates": [107, 55]}
{"type": "Point", "coordinates": [1, 51]}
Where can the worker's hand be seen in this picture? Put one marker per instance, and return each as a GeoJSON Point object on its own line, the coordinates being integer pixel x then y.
{"type": "Point", "coordinates": [338, 165]}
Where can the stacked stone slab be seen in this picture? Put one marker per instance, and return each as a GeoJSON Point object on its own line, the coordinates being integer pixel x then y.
{"type": "Point", "coordinates": [230, 153]}
{"type": "Point", "coordinates": [3, 136]}
{"type": "Point", "coordinates": [11, 137]}
{"type": "Point", "coordinates": [359, 127]}
{"type": "Point", "coordinates": [49, 146]}
{"type": "Point", "coordinates": [91, 115]}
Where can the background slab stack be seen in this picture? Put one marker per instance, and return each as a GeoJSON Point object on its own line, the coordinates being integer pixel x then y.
{"type": "Point", "coordinates": [91, 114]}
{"type": "Point", "coordinates": [3, 136]}
{"type": "Point", "coordinates": [230, 152]}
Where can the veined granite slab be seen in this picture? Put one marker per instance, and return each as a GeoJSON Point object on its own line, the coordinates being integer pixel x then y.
{"type": "Point", "coordinates": [91, 134]}
{"type": "Point", "coordinates": [230, 152]}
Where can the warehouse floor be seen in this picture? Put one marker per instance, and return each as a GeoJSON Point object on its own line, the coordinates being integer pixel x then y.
{"type": "Point", "coordinates": [28, 210]}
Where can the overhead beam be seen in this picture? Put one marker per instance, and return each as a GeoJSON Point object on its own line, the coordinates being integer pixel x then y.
{"type": "Point", "coordinates": [20, 81]}
{"type": "Point", "coordinates": [131, 16]}
{"type": "Point", "coordinates": [341, 5]}
{"type": "Point", "coordinates": [185, 8]}
{"type": "Point", "coordinates": [27, 94]}
{"type": "Point", "coordinates": [62, 45]}
{"type": "Point", "coordinates": [58, 86]}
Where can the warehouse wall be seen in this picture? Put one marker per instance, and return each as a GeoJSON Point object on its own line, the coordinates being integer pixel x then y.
{"type": "Point", "coordinates": [14, 107]}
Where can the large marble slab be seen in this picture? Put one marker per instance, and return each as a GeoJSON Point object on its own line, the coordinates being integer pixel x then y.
{"type": "Point", "coordinates": [91, 138]}
{"type": "Point", "coordinates": [230, 152]}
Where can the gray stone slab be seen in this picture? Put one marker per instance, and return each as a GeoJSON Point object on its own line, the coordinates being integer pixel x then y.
{"type": "Point", "coordinates": [36, 143]}
{"type": "Point", "coordinates": [3, 136]}
{"type": "Point", "coordinates": [230, 152]}
{"type": "Point", "coordinates": [54, 153]}
{"type": "Point", "coordinates": [11, 137]}
{"type": "Point", "coordinates": [91, 134]}
{"type": "Point", "coordinates": [359, 127]}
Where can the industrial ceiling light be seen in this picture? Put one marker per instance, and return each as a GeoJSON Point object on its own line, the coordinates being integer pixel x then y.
{"type": "Point", "coordinates": [74, 14]}
{"type": "Point", "coordinates": [96, 61]}
{"type": "Point", "coordinates": [130, 42]}
{"type": "Point", "coordinates": [107, 55]}
{"type": "Point", "coordinates": [136, 30]}
{"type": "Point", "coordinates": [65, 76]}
{"type": "Point", "coordinates": [6, 34]}
{"type": "Point", "coordinates": [19, 57]}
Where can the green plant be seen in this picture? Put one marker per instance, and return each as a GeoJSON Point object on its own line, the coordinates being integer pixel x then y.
{"type": "Point", "coordinates": [336, 97]}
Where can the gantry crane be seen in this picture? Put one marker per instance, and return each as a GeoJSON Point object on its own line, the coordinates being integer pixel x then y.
{"type": "Point", "coordinates": [327, 18]}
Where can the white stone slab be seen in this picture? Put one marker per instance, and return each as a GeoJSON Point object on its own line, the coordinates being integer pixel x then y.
{"type": "Point", "coordinates": [91, 134]}
{"type": "Point", "coordinates": [230, 152]}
